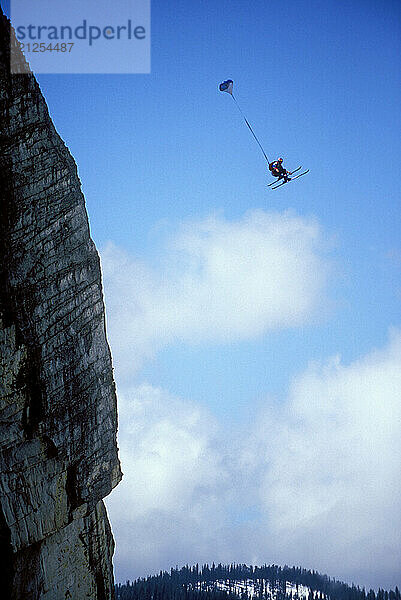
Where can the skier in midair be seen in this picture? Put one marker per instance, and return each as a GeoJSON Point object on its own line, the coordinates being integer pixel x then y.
{"type": "Point", "coordinates": [277, 170]}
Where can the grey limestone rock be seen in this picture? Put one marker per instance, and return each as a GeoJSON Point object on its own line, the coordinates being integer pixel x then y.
{"type": "Point", "coordinates": [58, 416]}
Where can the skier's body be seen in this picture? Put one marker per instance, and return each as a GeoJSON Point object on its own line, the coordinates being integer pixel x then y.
{"type": "Point", "coordinates": [277, 170]}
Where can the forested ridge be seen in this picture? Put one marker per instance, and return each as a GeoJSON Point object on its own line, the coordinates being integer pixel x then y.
{"type": "Point", "coordinates": [269, 582]}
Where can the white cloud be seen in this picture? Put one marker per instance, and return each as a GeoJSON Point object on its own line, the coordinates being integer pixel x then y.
{"type": "Point", "coordinates": [162, 439]}
{"type": "Point", "coordinates": [318, 477]}
{"type": "Point", "coordinates": [314, 481]}
{"type": "Point", "coordinates": [332, 482]}
{"type": "Point", "coordinates": [174, 485]}
{"type": "Point", "coordinates": [217, 281]}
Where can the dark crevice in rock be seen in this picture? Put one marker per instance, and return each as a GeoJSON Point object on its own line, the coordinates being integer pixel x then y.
{"type": "Point", "coordinates": [72, 489]}
{"type": "Point", "coordinates": [6, 310]}
{"type": "Point", "coordinates": [25, 586]}
{"type": "Point", "coordinates": [51, 448]}
{"type": "Point", "coordinates": [6, 558]}
{"type": "Point", "coordinates": [28, 378]}
{"type": "Point", "coordinates": [6, 305]}
{"type": "Point", "coordinates": [100, 587]}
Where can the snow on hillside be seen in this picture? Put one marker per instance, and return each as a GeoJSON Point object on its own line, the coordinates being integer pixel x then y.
{"type": "Point", "coordinates": [259, 588]}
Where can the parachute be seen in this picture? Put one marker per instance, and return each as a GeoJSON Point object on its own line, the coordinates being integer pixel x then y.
{"type": "Point", "coordinates": [227, 86]}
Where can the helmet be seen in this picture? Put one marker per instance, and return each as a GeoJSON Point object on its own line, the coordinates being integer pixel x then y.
{"type": "Point", "coordinates": [280, 160]}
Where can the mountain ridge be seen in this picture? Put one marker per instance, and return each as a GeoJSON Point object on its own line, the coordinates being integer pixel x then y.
{"type": "Point", "coordinates": [240, 581]}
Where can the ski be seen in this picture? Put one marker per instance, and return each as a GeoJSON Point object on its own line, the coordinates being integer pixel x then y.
{"type": "Point", "coordinates": [289, 173]}
{"type": "Point", "coordinates": [279, 185]}
{"type": "Point", "coordinates": [300, 175]}
{"type": "Point", "coordinates": [292, 179]}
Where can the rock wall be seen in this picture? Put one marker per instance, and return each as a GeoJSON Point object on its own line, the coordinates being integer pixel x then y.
{"type": "Point", "coordinates": [58, 420]}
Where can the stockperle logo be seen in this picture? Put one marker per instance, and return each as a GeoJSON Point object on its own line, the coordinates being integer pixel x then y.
{"type": "Point", "coordinates": [85, 36]}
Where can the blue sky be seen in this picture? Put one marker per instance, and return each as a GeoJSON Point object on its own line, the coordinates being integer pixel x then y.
{"type": "Point", "coordinates": [161, 155]}
{"type": "Point", "coordinates": [319, 89]}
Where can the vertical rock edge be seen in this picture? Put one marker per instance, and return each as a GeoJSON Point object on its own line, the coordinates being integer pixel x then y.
{"type": "Point", "coordinates": [58, 412]}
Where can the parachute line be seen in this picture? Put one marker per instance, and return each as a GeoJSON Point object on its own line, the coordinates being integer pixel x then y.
{"type": "Point", "coordinates": [250, 128]}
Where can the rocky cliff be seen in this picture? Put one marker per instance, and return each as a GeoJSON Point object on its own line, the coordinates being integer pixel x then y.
{"type": "Point", "coordinates": [58, 452]}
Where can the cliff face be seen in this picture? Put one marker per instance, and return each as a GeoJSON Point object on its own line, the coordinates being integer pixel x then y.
{"type": "Point", "coordinates": [58, 453]}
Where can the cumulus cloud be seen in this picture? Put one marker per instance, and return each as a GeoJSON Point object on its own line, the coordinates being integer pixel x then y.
{"type": "Point", "coordinates": [314, 481]}
{"type": "Point", "coordinates": [332, 486]}
{"type": "Point", "coordinates": [218, 281]}
{"type": "Point", "coordinates": [175, 486]}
